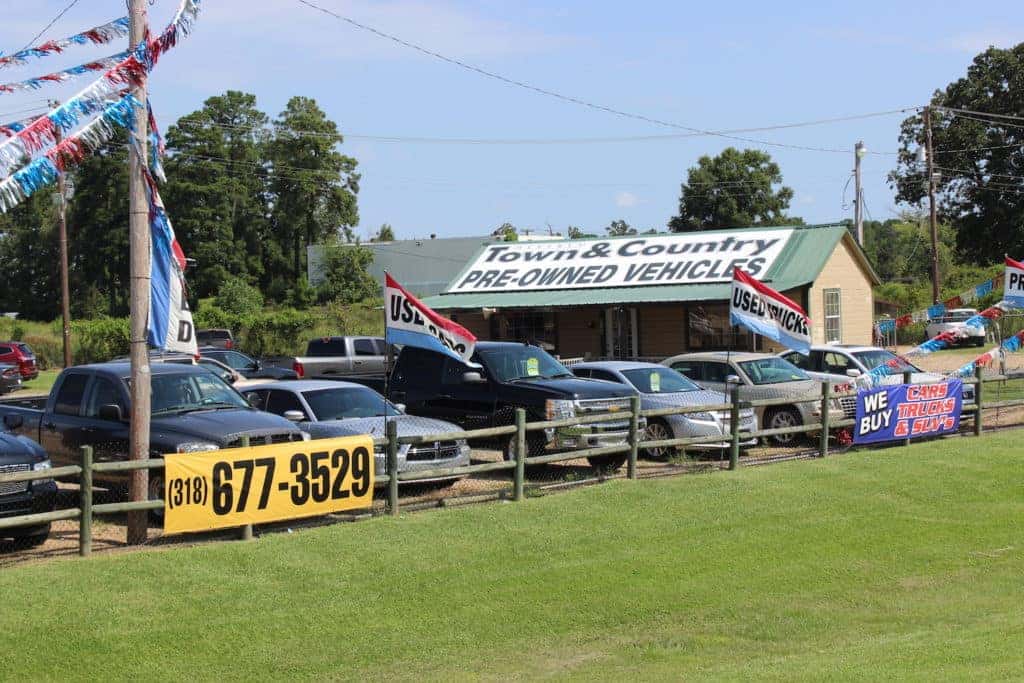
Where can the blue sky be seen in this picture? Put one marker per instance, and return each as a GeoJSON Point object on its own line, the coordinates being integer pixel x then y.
{"type": "Point", "coordinates": [705, 65]}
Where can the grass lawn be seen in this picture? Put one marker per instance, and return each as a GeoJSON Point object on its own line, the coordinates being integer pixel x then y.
{"type": "Point", "coordinates": [40, 385]}
{"type": "Point", "coordinates": [898, 563]}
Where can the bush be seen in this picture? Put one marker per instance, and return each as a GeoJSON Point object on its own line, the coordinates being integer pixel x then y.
{"type": "Point", "coordinates": [239, 297]}
{"type": "Point", "coordinates": [100, 340]}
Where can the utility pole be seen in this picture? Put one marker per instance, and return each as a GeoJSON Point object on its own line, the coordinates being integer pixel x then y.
{"type": "Point", "coordinates": [62, 231]}
{"type": "Point", "coordinates": [931, 203]}
{"type": "Point", "coordinates": [138, 236]}
{"type": "Point", "coordinates": [859, 150]}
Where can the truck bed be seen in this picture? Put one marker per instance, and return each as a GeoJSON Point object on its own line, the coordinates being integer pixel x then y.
{"type": "Point", "coordinates": [30, 402]}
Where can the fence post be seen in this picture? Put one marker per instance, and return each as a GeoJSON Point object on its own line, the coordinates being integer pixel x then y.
{"type": "Point", "coordinates": [392, 434]}
{"type": "Point", "coordinates": [85, 504]}
{"type": "Point", "coordinates": [634, 436]}
{"type": "Point", "coordinates": [906, 380]}
{"type": "Point", "coordinates": [734, 426]}
{"type": "Point", "coordinates": [826, 401]}
{"type": "Point", "coordinates": [246, 531]}
{"type": "Point", "coordinates": [977, 402]}
{"type": "Point", "coordinates": [519, 474]}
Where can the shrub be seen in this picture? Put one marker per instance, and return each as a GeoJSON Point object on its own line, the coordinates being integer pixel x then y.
{"type": "Point", "coordinates": [101, 339]}
{"type": "Point", "coordinates": [49, 350]}
{"type": "Point", "coordinates": [239, 297]}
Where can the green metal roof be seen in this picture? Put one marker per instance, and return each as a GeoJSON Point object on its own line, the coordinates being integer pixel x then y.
{"type": "Point", "coordinates": [799, 263]}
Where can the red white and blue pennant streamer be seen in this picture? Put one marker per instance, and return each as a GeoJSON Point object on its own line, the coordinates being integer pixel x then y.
{"type": "Point", "coordinates": [97, 35]}
{"type": "Point", "coordinates": [64, 74]}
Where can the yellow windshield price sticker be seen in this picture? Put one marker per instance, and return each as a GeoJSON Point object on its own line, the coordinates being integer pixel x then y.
{"type": "Point", "coordinates": [261, 484]}
{"type": "Point", "coordinates": [655, 382]}
{"type": "Point", "coordinates": [532, 367]}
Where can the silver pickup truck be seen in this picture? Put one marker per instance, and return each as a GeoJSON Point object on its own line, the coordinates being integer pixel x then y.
{"type": "Point", "coordinates": [336, 356]}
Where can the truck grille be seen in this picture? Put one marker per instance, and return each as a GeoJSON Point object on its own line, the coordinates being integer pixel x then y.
{"type": "Point", "coordinates": [8, 488]}
{"type": "Point", "coordinates": [849, 405]}
{"type": "Point", "coordinates": [601, 405]}
{"type": "Point", "coordinates": [438, 450]}
{"type": "Point", "coordinates": [264, 440]}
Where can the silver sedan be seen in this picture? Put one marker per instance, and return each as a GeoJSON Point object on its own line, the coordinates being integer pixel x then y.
{"type": "Point", "coordinates": [661, 387]}
{"type": "Point", "coordinates": [326, 409]}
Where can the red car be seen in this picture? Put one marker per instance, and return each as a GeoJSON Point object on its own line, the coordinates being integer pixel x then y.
{"type": "Point", "coordinates": [20, 354]}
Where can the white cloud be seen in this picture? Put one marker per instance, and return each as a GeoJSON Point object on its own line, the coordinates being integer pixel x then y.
{"type": "Point", "coordinates": [624, 200]}
{"type": "Point", "coordinates": [974, 42]}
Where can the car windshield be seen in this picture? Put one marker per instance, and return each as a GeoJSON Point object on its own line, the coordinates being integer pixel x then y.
{"type": "Point", "coordinates": [511, 363]}
{"type": "Point", "coordinates": [772, 370]}
{"type": "Point", "coordinates": [183, 393]}
{"type": "Point", "coordinates": [872, 359]}
{"type": "Point", "coordinates": [344, 402]}
{"type": "Point", "coordinates": [659, 381]}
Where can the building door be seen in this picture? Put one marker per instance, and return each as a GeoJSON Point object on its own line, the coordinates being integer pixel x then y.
{"type": "Point", "coordinates": [620, 332]}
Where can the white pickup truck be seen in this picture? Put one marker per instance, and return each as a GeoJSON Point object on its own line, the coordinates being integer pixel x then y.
{"type": "Point", "coordinates": [953, 321]}
{"type": "Point", "coordinates": [336, 357]}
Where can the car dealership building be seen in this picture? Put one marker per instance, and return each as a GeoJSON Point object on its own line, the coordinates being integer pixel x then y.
{"type": "Point", "coordinates": [659, 295]}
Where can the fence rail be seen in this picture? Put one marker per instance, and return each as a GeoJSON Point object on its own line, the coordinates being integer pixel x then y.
{"type": "Point", "coordinates": [518, 455]}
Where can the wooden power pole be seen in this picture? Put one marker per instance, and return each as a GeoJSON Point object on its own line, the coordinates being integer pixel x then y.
{"type": "Point", "coordinates": [138, 240]}
{"type": "Point", "coordinates": [858, 206]}
{"type": "Point", "coordinates": [62, 231]}
{"type": "Point", "coordinates": [931, 203]}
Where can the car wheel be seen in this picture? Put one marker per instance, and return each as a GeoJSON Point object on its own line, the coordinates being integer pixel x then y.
{"type": "Point", "coordinates": [781, 418]}
{"type": "Point", "coordinates": [979, 341]}
{"type": "Point", "coordinates": [658, 430]}
{"type": "Point", "coordinates": [156, 492]}
{"type": "Point", "coordinates": [33, 540]}
{"type": "Point", "coordinates": [534, 446]}
{"type": "Point", "coordinates": [607, 463]}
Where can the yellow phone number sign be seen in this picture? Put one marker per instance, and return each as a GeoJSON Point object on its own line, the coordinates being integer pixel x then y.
{"type": "Point", "coordinates": [262, 484]}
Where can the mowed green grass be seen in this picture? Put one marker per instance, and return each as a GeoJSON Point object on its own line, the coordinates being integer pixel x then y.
{"type": "Point", "coordinates": [896, 563]}
{"type": "Point", "coordinates": [40, 385]}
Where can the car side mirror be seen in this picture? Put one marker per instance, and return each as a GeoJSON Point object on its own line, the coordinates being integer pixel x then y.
{"type": "Point", "coordinates": [12, 422]}
{"type": "Point", "coordinates": [732, 379]}
{"type": "Point", "coordinates": [400, 407]}
{"type": "Point", "coordinates": [853, 372]}
{"type": "Point", "coordinates": [294, 416]}
{"type": "Point", "coordinates": [473, 378]}
{"type": "Point", "coordinates": [111, 412]}
{"type": "Point", "coordinates": [256, 365]}
{"type": "Point", "coordinates": [253, 400]}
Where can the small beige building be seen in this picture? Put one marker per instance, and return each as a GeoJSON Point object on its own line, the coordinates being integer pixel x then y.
{"type": "Point", "coordinates": [653, 296]}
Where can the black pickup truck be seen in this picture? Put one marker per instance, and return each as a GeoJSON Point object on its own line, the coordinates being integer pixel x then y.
{"type": "Point", "coordinates": [192, 410]}
{"type": "Point", "coordinates": [21, 454]}
{"type": "Point", "coordinates": [501, 377]}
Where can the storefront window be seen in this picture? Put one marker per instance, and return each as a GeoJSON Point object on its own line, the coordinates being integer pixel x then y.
{"type": "Point", "coordinates": [710, 330]}
{"type": "Point", "coordinates": [537, 327]}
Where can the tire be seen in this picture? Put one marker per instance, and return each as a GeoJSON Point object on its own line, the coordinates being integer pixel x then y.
{"type": "Point", "coordinates": [786, 416]}
{"type": "Point", "coordinates": [155, 491]}
{"type": "Point", "coordinates": [979, 341]}
{"type": "Point", "coordinates": [534, 446]}
{"type": "Point", "coordinates": [33, 540]}
{"type": "Point", "coordinates": [608, 463]}
{"type": "Point", "coordinates": [658, 430]}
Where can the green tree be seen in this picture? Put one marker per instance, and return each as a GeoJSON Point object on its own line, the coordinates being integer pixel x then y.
{"type": "Point", "coordinates": [507, 232]}
{"type": "Point", "coordinates": [620, 227]}
{"type": "Point", "coordinates": [237, 296]}
{"type": "Point", "coordinates": [98, 229]}
{"type": "Point", "coordinates": [733, 189]}
{"type": "Point", "coordinates": [216, 192]}
{"type": "Point", "coordinates": [29, 258]}
{"type": "Point", "coordinates": [314, 186]}
{"type": "Point", "coordinates": [385, 234]}
{"type": "Point", "coordinates": [346, 279]}
{"type": "Point", "coordinates": [978, 156]}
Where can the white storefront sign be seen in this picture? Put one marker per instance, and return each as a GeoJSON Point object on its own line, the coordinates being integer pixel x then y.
{"type": "Point", "coordinates": [690, 258]}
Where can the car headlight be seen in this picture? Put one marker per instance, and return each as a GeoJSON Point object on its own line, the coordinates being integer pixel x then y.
{"type": "Point", "coordinates": [559, 409]}
{"type": "Point", "coordinates": [42, 466]}
{"type": "Point", "coordinates": [197, 447]}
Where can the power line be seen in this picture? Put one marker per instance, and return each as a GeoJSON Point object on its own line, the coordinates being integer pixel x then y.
{"type": "Point", "coordinates": [48, 26]}
{"type": "Point", "coordinates": [540, 141]}
{"type": "Point", "coordinates": [576, 100]}
{"type": "Point", "coordinates": [981, 113]}
{"type": "Point", "coordinates": [1004, 124]}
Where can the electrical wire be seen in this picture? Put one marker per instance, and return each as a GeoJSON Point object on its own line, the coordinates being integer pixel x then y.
{"type": "Point", "coordinates": [980, 113]}
{"type": "Point", "coordinates": [990, 122]}
{"type": "Point", "coordinates": [50, 25]}
{"type": "Point", "coordinates": [581, 102]}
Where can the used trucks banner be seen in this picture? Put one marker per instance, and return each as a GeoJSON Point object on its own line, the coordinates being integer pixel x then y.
{"type": "Point", "coordinates": [907, 411]}
{"type": "Point", "coordinates": [685, 259]}
{"type": "Point", "coordinates": [761, 309]}
{"type": "Point", "coordinates": [411, 323]}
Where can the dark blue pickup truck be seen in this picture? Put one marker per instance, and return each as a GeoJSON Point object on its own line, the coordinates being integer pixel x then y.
{"type": "Point", "coordinates": [192, 410]}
